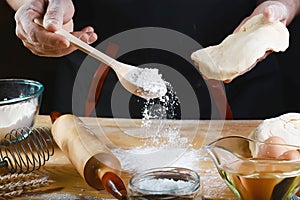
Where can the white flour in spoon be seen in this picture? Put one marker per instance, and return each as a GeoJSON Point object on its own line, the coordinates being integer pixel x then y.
{"type": "Point", "coordinates": [148, 80]}
{"type": "Point", "coordinates": [17, 115]}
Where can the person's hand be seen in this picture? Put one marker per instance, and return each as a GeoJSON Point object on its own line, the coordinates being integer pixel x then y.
{"type": "Point", "coordinates": [43, 41]}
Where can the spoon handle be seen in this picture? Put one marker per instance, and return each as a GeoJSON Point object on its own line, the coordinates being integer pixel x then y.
{"type": "Point", "coordinates": [86, 48]}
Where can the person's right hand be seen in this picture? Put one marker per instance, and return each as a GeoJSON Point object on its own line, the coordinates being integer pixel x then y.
{"type": "Point", "coordinates": [43, 41]}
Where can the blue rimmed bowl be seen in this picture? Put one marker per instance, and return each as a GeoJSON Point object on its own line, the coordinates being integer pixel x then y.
{"type": "Point", "coordinates": [20, 101]}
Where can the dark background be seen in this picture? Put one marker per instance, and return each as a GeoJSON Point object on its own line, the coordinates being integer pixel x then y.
{"type": "Point", "coordinates": [18, 62]}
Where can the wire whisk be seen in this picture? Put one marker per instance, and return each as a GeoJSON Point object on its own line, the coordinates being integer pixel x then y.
{"type": "Point", "coordinates": [25, 149]}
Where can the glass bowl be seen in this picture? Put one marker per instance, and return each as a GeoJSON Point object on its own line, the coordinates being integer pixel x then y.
{"type": "Point", "coordinates": [252, 170]}
{"type": "Point", "coordinates": [165, 183]}
{"type": "Point", "coordinates": [19, 103]}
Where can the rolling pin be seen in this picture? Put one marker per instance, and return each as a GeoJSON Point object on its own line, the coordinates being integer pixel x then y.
{"type": "Point", "coordinates": [92, 159]}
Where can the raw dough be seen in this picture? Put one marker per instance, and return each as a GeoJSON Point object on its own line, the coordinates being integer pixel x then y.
{"type": "Point", "coordinates": [241, 50]}
{"type": "Point", "coordinates": [286, 126]}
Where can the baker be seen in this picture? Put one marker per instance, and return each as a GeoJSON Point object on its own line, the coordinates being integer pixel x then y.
{"type": "Point", "coordinates": [256, 94]}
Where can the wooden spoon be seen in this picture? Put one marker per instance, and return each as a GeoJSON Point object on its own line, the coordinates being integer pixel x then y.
{"type": "Point", "coordinates": [128, 75]}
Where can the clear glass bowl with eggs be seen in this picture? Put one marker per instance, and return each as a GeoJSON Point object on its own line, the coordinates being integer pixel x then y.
{"type": "Point", "coordinates": [257, 170]}
{"type": "Point", "coordinates": [20, 101]}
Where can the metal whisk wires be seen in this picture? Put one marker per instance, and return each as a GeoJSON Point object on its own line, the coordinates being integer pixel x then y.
{"type": "Point", "coordinates": [26, 149]}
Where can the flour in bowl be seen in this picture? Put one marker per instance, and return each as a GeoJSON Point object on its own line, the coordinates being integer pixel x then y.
{"type": "Point", "coordinates": [17, 115]}
{"type": "Point", "coordinates": [164, 184]}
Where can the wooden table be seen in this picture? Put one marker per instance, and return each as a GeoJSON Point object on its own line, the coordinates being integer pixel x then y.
{"type": "Point", "coordinates": [69, 185]}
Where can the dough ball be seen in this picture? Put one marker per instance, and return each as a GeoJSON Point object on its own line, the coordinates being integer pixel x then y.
{"type": "Point", "coordinates": [286, 126]}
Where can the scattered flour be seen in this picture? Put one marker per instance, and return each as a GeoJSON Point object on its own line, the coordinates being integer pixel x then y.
{"type": "Point", "coordinates": [17, 115]}
{"type": "Point", "coordinates": [149, 81]}
{"type": "Point", "coordinates": [142, 158]}
{"type": "Point", "coordinates": [62, 196]}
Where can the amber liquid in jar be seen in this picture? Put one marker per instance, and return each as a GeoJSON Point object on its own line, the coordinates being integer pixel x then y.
{"type": "Point", "coordinates": [275, 182]}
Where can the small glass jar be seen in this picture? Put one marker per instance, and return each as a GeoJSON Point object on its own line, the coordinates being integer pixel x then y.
{"type": "Point", "coordinates": [165, 183]}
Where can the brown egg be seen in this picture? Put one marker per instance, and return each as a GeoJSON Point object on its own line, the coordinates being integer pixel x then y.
{"type": "Point", "coordinates": [272, 150]}
{"type": "Point", "coordinates": [290, 155]}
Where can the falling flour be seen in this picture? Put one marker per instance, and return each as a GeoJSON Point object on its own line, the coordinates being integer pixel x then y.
{"type": "Point", "coordinates": [166, 146]}
{"type": "Point", "coordinates": [154, 115]}
{"type": "Point", "coordinates": [165, 143]}
{"type": "Point", "coordinates": [17, 115]}
{"type": "Point", "coordinates": [160, 109]}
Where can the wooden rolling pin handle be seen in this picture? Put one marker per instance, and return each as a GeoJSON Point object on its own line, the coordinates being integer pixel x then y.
{"type": "Point", "coordinates": [103, 176]}
{"type": "Point", "coordinates": [114, 185]}
{"type": "Point", "coordinates": [54, 115]}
